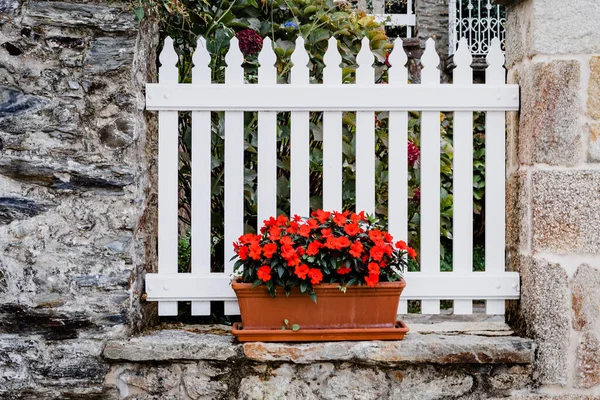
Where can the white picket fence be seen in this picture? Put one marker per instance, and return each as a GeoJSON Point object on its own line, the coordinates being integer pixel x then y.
{"type": "Point", "coordinates": [430, 285]}
{"type": "Point", "coordinates": [395, 19]}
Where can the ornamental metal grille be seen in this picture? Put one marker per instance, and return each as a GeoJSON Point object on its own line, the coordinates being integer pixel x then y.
{"type": "Point", "coordinates": [479, 21]}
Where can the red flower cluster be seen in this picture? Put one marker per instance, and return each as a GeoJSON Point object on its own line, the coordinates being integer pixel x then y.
{"type": "Point", "coordinates": [250, 41]}
{"type": "Point", "coordinates": [413, 154]}
{"type": "Point", "coordinates": [334, 247]}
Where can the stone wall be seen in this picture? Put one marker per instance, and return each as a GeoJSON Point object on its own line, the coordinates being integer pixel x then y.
{"type": "Point", "coordinates": [76, 178]}
{"type": "Point", "coordinates": [553, 185]}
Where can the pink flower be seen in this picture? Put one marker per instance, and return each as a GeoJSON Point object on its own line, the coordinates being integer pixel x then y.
{"type": "Point", "coordinates": [250, 41]}
{"type": "Point", "coordinates": [413, 153]}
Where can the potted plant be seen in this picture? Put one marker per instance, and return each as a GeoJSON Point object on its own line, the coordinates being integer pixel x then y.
{"type": "Point", "coordinates": [334, 275]}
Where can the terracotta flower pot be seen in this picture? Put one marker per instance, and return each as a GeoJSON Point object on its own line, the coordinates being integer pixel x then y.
{"type": "Point", "coordinates": [359, 307]}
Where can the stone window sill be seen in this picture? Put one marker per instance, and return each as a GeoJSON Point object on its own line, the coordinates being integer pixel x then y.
{"type": "Point", "coordinates": [432, 340]}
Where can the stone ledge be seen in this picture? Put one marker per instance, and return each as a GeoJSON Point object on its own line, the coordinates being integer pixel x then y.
{"type": "Point", "coordinates": [458, 343]}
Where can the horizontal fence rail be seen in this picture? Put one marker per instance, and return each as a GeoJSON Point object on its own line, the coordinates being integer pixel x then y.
{"type": "Point", "coordinates": [234, 97]}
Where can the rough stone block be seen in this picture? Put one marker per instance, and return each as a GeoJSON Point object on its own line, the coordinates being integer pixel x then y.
{"type": "Point", "coordinates": [549, 127]}
{"type": "Point", "coordinates": [415, 348]}
{"type": "Point", "coordinates": [518, 225]}
{"type": "Point", "coordinates": [585, 298]}
{"type": "Point", "coordinates": [565, 211]}
{"type": "Point", "coordinates": [108, 54]}
{"type": "Point", "coordinates": [544, 315]}
{"type": "Point", "coordinates": [594, 143]}
{"type": "Point", "coordinates": [106, 18]}
{"type": "Point", "coordinates": [593, 103]}
{"type": "Point", "coordinates": [587, 368]}
{"type": "Point", "coordinates": [173, 345]}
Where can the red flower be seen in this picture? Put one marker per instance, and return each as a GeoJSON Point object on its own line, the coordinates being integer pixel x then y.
{"type": "Point", "coordinates": [375, 235]}
{"type": "Point", "coordinates": [269, 250]}
{"type": "Point", "coordinates": [249, 238]}
{"type": "Point", "coordinates": [351, 229]}
{"type": "Point", "coordinates": [412, 253]}
{"type": "Point", "coordinates": [300, 251]}
{"type": "Point", "coordinates": [301, 271]}
{"type": "Point", "coordinates": [304, 231]}
{"type": "Point", "coordinates": [344, 270]}
{"type": "Point", "coordinates": [321, 215]}
{"type": "Point", "coordinates": [413, 154]}
{"type": "Point", "coordinates": [377, 253]}
{"type": "Point", "coordinates": [401, 245]}
{"type": "Point", "coordinates": [388, 238]}
{"type": "Point", "coordinates": [293, 261]}
{"type": "Point", "coordinates": [325, 232]}
{"type": "Point", "coordinates": [340, 218]}
{"type": "Point", "coordinates": [293, 228]}
{"type": "Point", "coordinates": [250, 41]}
{"type": "Point", "coordinates": [286, 240]}
{"type": "Point", "coordinates": [358, 217]}
{"type": "Point", "coordinates": [356, 249]}
{"type": "Point", "coordinates": [297, 218]}
{"type": "Point", "coordinates": [372, 280]}
{"type": "Point", "coordinates": [313, 248]}
{"type": "Point", "coordinates": [243, 252]}
{"type": "Point", "coordinates": [312, 223]}
{"type": "Point", "coordinates": [282, 220]}
{"type": "Point", "coordinates": [342, 242]}
{"type": "Point", "coordinates": [255, 251]}
{"type": "Point", "coordinates": [274, 233]}
{"type": "Point", "coordinates": [264, 273]}
{"type": "Point", "coordinates": [315, 275]}
{"type": "Point", "coordinates": [287, 252]}
{"type": "Point", "coordinates": [373, 268]}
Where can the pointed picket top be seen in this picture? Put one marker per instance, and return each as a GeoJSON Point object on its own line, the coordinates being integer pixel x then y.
{"type": "Point", "coordinates": [332, 72]}
{"type": "Point", "coordinates": [365, 74]}
{"type": "Point", "coordinates": [397, 73]}
{"type": "Point", "coordinates": [267, 73]}
{"type": "Point", "coordinates": [495, 60]}
{"type": "Point", "coordinates": [168, 63]}
{"type": "Point", "coordinates": [234, 73]}
{"type": "Point", "coordinates": [300, 72]}
{"type": "Point", "coordinates": [201, 59]}
{"type": "Point", "coordinates": [430, 74]}
{"type": "Point", "coordinates": [463, 74]}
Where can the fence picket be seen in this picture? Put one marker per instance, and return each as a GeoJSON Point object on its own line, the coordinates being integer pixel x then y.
{"type": "Point", "coordinates": [201, 177]}
{"type": "Point", "coordinates": [398, 156]}
{"type": "Point", "coordinates": [430, 178]}
{"type": "Point", "coordinates": [267, 140]}
{"type": "Point", "coordinates": [494, 177]}
{"type": "Point", "coordinates": [300, 138]}
{"type": "Point", "coordinates": [430, 285]}
{"type": "Point", "coordinates": [365, 136]}
{"type": "Point", "coordinates": [332, 134]}
{"type": "Point", "coordinates": [168, 158]}
{"type": "Point", "coordinates": [462, 221]}
{"type": "Point", "coordinates": [234, 163]}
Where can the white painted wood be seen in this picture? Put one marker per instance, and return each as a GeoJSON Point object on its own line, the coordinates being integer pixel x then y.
{"type": "Point", "coordinates": [168, 176]}
{"type": "Point", "coordinates": [398, 157]}
{"type": "Point", "coordinates": [267, 140]}
{"type": "Point", "coordinates": [332, 133]}
{"type": "Point", "coordinates": [234, 159]}
{"type": "Point", "coordinates": [186, 287]}
{"type": "Point", "coordinates": [430, 178]}
{"type": "Point", "coordinates": [300, 138]}
{"type": "Point", "coordinates": [365, 136]}
{"type": "Point", "coordinates": [495, 177]}
{"type": "Point", "coordinates": [403, 307]}
{"type": "Point", "coordinates": [462, 222]}
{"type": "Point", "coordinates": [333, 98]}
{"type": "Point", "coordinates": [201, 177]}
{"type": "Point", "coordinates": [408, 20]}
{"type": "Point", "coordinates": [430, 285]}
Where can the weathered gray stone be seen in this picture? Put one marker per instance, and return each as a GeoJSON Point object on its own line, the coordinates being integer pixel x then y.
{"type": "Point", "coordinates": [13, 208]}
{"type": "Point", "coordinates": [202, 381]}
{"type": "Point", "coordinates": [428, 384]}
{"type": "Point", "coordinates": [9, 6]}
{"type": "Point", "coordinates": [173, 345]}
{"type": "Point", "coordinates": [432, 22]}
{"type": "Point", "coordinates": [516, 39]}
{"type": "Point", "coordinates": [518, 225]}
{"type": "Point", "coordinates": [544, 316]}
{"type": "Point", "coordinates": [549, 132]}
{"type": "Point", "coordinates": [587, 369]}
{"type": "Point", "coordinates": [415, 348]}
{"type": "Point", "coordinates": [108, 54]}
{"type": "Point", "coordinates": [14, 102]}
{"type": "Point", "coordinates": [585, 298]}
{"type": "Point", "coordinates": [511, 378]}
{"type": "Point", "coordinates": [565, 211]}
{"type": "Point", "coordinates": [118, 133]}
{"type": "Point", "coordinates": [594, 143]}
{"type": "Point", "coordinates": [106, 18]}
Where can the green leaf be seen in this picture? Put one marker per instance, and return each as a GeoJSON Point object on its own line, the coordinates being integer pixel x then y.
{"type": "Point", "coordinates": [303, 287]}
{"type": "Point", "coordinates": [280, 271]}
{"type": "Point", "coordinates": [139, 13]}
{"type": "Point", "coordinates": [295, 327]}
{"type": "Point", "coordinates": [285, 321]}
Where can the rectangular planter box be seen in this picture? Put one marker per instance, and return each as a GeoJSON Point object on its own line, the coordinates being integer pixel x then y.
{"type": "Point", "coordinates": [359, 307]}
